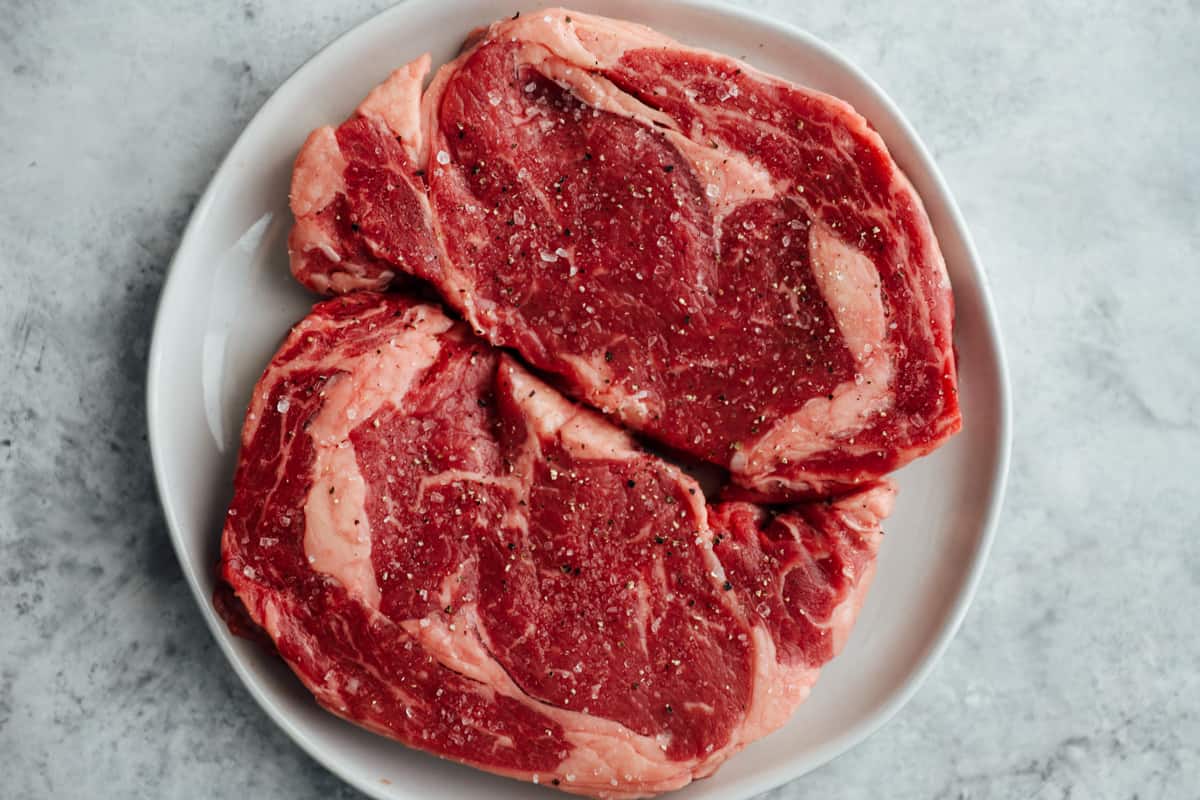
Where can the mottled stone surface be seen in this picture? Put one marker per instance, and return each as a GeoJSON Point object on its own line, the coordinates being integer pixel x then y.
{"type": "Point", "coordinates": [1070, 132]}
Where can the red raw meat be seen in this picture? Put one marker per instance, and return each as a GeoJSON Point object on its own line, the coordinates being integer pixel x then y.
{"type": "Point", "coordinates": [727, 262]}
{"type": "Point", "coordinates": [448, 552]}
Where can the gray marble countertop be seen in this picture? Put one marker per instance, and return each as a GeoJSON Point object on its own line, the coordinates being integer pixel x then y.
{"type": "Point", "coordinates": [1070, 132]}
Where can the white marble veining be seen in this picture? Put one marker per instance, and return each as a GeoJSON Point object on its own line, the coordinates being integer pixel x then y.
{"type": "Point", "coordinates": [1070, 132]}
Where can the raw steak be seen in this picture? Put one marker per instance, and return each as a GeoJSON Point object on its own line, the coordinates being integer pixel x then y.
{"type": "Point", "coordinates": [727, 262]}
{"type": "Point", "coordinates": [448, 552]}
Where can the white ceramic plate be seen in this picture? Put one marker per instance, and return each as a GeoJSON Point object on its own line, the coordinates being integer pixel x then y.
{"type": "Point", "coordinates": [229, 299]}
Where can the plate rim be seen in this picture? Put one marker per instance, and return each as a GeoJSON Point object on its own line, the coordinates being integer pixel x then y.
{"type": "Point", "coordinates": [972, 575]}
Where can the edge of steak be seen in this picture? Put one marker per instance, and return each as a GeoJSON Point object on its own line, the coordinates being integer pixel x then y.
{"type": "Point", "coordinates": [362, 214]}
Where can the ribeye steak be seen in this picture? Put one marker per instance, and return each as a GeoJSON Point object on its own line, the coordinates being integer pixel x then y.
{"type": "Point", "coordinates": [450, 553]}
{"type": "Point", "coordinates": [728, 262]}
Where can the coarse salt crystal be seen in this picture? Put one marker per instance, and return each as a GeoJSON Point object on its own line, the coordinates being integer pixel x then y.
{"type": "Point", "coordinates": [283, 405]}
{"type": "Point", "coordinates": [443, 157]}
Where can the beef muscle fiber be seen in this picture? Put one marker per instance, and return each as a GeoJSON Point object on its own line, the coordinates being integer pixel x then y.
{"type": "Point", "coordinates": [448, 552]}
{"type": "Point", "coordinates": [730, 263]}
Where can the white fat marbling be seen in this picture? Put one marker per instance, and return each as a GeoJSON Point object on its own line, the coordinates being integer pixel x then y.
{"type": "Point", "coordinates": [1069, 132]}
